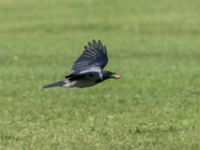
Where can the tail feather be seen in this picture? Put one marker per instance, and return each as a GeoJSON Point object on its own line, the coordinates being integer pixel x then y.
{"type": "Point", "coordinates": [59, 83]}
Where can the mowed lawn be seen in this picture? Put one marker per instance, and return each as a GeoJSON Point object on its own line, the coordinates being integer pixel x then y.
{"type": "Point", "coordinates": [154, 45]}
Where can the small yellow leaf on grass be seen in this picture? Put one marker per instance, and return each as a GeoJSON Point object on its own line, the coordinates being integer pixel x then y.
{"type": "Point", "coordinates": [15, 58]}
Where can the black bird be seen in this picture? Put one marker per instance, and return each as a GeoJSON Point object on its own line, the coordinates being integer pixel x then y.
{"type": "Point", "coordinates": [87, 70]}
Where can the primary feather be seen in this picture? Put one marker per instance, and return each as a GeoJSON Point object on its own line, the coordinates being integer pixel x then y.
{"type": "Point", "coordinates": [94, 55]}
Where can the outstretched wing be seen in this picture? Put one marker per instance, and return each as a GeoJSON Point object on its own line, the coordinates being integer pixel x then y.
{"type": "Point", "coordinates": [94, 56]}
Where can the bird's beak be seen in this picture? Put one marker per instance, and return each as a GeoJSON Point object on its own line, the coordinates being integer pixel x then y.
{"type": "Point", "coordinates": [116, 76]}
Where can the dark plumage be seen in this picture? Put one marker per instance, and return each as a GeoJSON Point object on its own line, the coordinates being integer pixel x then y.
{"type": "Point", "coordinates": [87, 70]}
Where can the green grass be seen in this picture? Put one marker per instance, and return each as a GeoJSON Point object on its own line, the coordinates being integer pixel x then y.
{"type": "Point", "coordinates": [153, 44]}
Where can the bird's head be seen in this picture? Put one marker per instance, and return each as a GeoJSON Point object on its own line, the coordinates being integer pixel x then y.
{"type": "Point", "coordinates": [108, 75]}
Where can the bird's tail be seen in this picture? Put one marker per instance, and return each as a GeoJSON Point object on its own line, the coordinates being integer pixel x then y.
{"type": "Point", "coordinates": [59, 83]}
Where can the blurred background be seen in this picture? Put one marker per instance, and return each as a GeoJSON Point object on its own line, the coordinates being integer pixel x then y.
{"type": "Point", "coordinates": [153, 44]}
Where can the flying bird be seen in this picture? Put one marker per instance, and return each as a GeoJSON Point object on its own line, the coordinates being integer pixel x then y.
{"type": "Point", "coordinates": [87, 70]}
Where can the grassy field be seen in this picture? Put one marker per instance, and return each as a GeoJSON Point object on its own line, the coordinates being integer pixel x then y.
{"type": "Point", "coordinates": [155, 46]}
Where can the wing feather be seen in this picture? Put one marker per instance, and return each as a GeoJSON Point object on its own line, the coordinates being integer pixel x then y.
{"type": "Point", "coordinates": [94, 55]}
